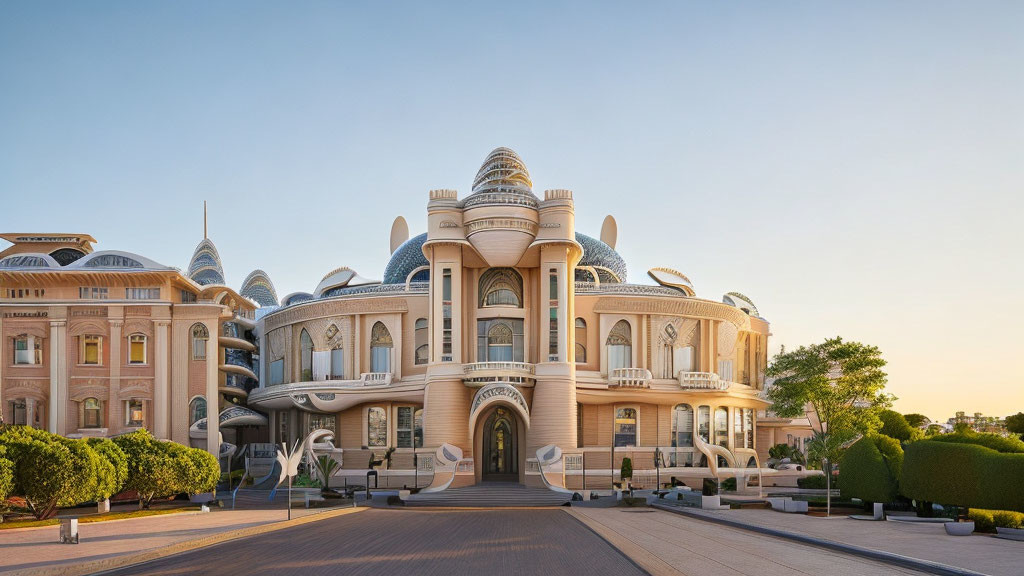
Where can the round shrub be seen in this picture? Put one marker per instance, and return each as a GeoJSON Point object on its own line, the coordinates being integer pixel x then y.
{"type": "Point", "coordinates": [960, 474]}
{"type": "Point", "coordinates": [870, 469]}
{"type": "Point", "coordinates": [983, 520]}
{"type": "Point", "coordinates": [152, 469]}
{"type": "Point", "coordinates": [1007, 519]}
{"type": "Point", "coordinates": [6, 477]}
{"type": "Point", "coordinates": [894, 425]}
{"type": "Point", "coordinates": [1005, 444]}
{"type": "Point", "coordinates": [205, 471]}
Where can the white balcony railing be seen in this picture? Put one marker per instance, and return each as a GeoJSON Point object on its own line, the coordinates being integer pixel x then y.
{"type": "Point", "coordinates": [518, 367]}
{"type": "Point", "coordinates": [376, 378]}
{"type": "Point", "coordinates": [701, 381]}
{"type": "Point", "coordinates": [630, 377]}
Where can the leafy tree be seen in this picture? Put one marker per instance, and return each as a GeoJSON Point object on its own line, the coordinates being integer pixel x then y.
{"type": "Point", "coordinates": [783, 451]}
{"type": "Point", "coordinates": [111, 478]}
{"type": "Point", "coordinates": [932, 430]}
{"type": "Point", "coordinates": [1015, 424]}
{"type": "Point", "coordinates": [626, 471]}
{"type": "Point", "coordinates": [843, 382]}
{"type": "Point", "coordinates": [204, 471]}
{"type": "Point", "coordinates": [6, 479]}
{"type": "Point", "coordinates": [828, 445]}
{"type": "Point", "coordinates": [894, 425]}
{"type": "Point", "coordinates": [152, 470]}
{"type": "Point", "coordinates": [915, 420]}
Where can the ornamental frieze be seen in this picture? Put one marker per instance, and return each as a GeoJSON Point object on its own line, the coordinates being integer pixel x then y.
{"type": "Point", "coordinates": [678, 307]}
{"type": "Point", "coordinates": [506, 391]}
{"type": "Point", "coordinates": [336, 308]}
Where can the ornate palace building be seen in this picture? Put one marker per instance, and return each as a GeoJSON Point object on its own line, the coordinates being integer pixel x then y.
{"type": "Point", "coordinates": [497, 333]}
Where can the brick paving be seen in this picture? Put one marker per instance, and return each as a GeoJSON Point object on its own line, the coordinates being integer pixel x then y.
{"type": "Point", "coordinates": [416, 542]}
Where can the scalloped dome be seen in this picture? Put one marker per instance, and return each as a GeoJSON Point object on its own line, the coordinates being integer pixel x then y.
{"type": "Point", "coordinates": [502, 179]}
{"type": "Point", "coordinates": [205, 267]}
{"type": "Point", "coordinates": [601, 255]}
{"type": "Point", "coordinates": [408, 257]}
{"type": "Point", "coordinates": [258, 287]}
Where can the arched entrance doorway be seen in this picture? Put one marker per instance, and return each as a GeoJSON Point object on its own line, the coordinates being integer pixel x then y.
{"type": "Point", "coordinates": [500, 447]}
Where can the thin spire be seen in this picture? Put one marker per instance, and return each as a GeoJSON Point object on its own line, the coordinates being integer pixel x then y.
{"type": "Point", "coordinates": [205, 236]}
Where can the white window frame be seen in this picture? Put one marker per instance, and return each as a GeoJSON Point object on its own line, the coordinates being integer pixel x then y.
{"type": "Point", "coordinates": [145, 351]}
{"type": "Point", "coordinates": [83, 345]}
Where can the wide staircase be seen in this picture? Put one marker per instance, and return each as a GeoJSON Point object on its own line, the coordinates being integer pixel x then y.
{"type": "Point", "coordinates": [490, 494]}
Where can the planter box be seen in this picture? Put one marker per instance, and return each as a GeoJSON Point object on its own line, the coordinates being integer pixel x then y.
{"type": "Point", "coordinates": [1010, 533]}
{"type": "Point", "coordinates": [103, 506]}
{"type": "Point", "coordinates": [710, 502]}
{"type": "Point", "coordinates": [959, 528]}
{"type": "Point", "coordinates": [202, 498]}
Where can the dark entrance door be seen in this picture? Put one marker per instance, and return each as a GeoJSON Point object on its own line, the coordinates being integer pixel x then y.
{"type": "Point", "coordinates": [500, 447]}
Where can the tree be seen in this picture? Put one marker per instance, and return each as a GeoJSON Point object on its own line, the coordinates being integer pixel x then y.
{"type": "Point", "coordinates": [1015, 424]}
{"type": "Point", "coordinates": [152, 470]}
{"type": "Point", "coordinates": [916, 420]}
{"type": "Point", "coordinates": [112, 477]}
{"type": "Point", "coordinates": [843, 382]}
{"type": "Point", "coordinates": [932, 430]}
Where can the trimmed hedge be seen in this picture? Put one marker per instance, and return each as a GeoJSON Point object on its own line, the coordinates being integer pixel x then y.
{"type": "Point", "coordinates": [1005, 444]}
{"type": "Point", "coordinates": [112, 476]}
{"type": "Point", "coordinates": [989, 520]}
{"type": "Point", "coordinates": [157, 468]}
{"type": "Point", "coordinates": [815, 482]}
{"type": "Point", "coordinates": [871, 469]}
{"type": "Point", "coordinates": [969, 475]}
{"type": "Point", "coordinates": [6, 477]}
{"type": "Point", "coordinates": [894, 425]}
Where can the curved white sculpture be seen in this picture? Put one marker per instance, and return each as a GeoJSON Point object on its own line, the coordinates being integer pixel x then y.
{"type": "Point", "coordinates": [289, 461]}
{"type": "Point", "coordinates": [712, 451]}
{"type": "Point", "coordinates": [447, 457]}
{"type": "Point", "coordinates": [548, 456]}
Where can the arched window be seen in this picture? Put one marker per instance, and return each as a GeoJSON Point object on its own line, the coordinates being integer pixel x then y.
{"type": "Point", "coordinates": [581, 341]}
{"type": "Point", "coordinates": [704, 422]}
{"type": "Point", "coordinates": [337, 344]}
{"type": "Point", "coordinates": [501, 287]}
{"type": "Point", "coordinates": [722, 426]}
{"type": "Point", "coordinates": [306, 350]}
{"type": "Point", "coordinates": [380, 348]}
{"type": "Point", "coordinates": [620, 346]}
{"type": "Point", "coordinates": [199, 337]}
{"type": "Point", "coordinates": [196, 410]}
{"type": "Point", "coordinates": [422, 346]}
{"type": "Point", "coordinates": [499, 343]}
{"type": "Point", "coordinates": [91, 416]}
{"type": "Point", "coordinates": [137, 349]}
{"type": "Point", "coordinates": [376, 427]}
{"type": "Point", "coordinates": [625, 427]}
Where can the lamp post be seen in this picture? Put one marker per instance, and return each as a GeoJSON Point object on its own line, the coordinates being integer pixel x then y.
{"type": "Point", "coordinates": [657, 468]}
{"type": "Point", "coordinates": [415, 469]}
{"type": "Point", "coordinates": [828, 486]}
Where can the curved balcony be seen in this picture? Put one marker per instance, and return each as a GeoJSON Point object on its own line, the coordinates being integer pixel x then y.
{"type": "Point", "coordinates": [375, 378]}
{"type": "Point", "coordinates": [232, 368]}
{"type": "Point", "coordinates": [481, 373]}
{"type": "Point", "coordinates": [629, 378]}
{"type": "Point", "coordinates": [236, 343]}
{"type": "Point", "coordinates": [701, 381]}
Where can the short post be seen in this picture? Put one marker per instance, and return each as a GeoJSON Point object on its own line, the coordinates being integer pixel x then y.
{"type": "Point", "coordinates": [415, 469]}
{"type": "Point", "coordinates": [583, 462]}
{"type": "Point", "coordinates": [69, 531]}
{"type": "Point", "coordinates": [289, 497]}
{"type": "Point", "coordinates": [828, 487]}
{"type": "Point", "coordinates": [657, 468]}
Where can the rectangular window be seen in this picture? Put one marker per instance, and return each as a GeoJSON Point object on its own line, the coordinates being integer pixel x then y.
{"type": "Point", "coordinates": [136, 349]}
{"type": "Point", "coordinates": [748, 425]}
{"type": "Point", "coordinates": [579, 425]}
{"type": "Point", "coordinates": [324, 421]}
{"type": "Point", "coordinates": [92, 293]}
{"type": "Point", "coordinates": [404, 428]}
{"type": "Point", "coordinates": [704, 422]}
{"type": "Point", "coordinates": [376, 427]}
{"type": "Point", "coordinates": [92, 349]}
{"type": "Point", "coordinates": [338, 364]}
{"type": "Point", "coordinates": [553, 316]}
{"type": "Point", "coordinates": [277, 372]}
{"type": "Point", "coordinates": [188, 297]}
{"type": "Point", "coordinates": [135, 414]}
{"type": "Point", "coordinates": [27, 350]}
{"type": "Point", "coordinates": [722, 427]}
{"type": "Point", "coordinates": [446, 315]}
{"type": "Point", "coordinates": [380, 359]}
{"type": "Point", "coordinates": [142, 293]}
{"type": "Point", "coordinates": [625, 427]}
{"type": "Point", "coordinates": [500, 340]}
{"type": "Point", "coordinates": [737, 428]}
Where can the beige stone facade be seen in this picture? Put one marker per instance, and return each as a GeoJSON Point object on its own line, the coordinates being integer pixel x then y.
{"type": "Point", "coordinates": [501, 330]}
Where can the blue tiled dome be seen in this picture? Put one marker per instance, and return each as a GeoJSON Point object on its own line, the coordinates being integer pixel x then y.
{"type": "Point", "coordinates": [408, 257]}
{"type": "Point", "coordinates": [597, 253]}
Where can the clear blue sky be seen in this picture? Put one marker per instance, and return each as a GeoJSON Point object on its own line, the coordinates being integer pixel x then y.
{"type": "Point", "coordinates": [855, 168]}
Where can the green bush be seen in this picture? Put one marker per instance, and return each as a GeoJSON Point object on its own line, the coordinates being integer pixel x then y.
{"type": "Point", "coordinates": [112, 478]}
{"type": "Point", "coordinates": [1005, 444]}
{"type": "Point", "coordinates": [1008, 519]}
{"type": "Point", "coordinates": [983, 521]}
{"type": "Point", "coordinates": [6, 478]}
{"type": "Point", "coordinates": [989, 520]}
{"type": "Point", "coordinates": [816, 482]}
{"type": "Point", "coordinates": [205, 472]}
{"type": "Point", "coordinates": [626, 471]}
{"type": "Point", "coordinates": [152, 471]}
{"type": "Point", "coordinates": [894, 425]}
{"type": "Point", "coordinates": [963, 474]}
{"type": "Point", "coordinates": [871, 469]}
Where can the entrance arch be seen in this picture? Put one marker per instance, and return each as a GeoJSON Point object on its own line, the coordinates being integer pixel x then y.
{"type": "Point", "coordinates": [499, 448]}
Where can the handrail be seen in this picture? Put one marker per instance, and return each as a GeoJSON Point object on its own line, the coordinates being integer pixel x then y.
{"type": "Point", "coordinates": [629, 377]}
{"type": "Point", "coordinates": [510, 366]}
{"type": "Point", "coordinates": [376, 378]}
{"type": "Point", "coordinates": [701, 381]}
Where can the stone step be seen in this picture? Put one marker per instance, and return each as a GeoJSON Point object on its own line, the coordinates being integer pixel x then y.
{"type": "Point", "coordinates": [502, 495]}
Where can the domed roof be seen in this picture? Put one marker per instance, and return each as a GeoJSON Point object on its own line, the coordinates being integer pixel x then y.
{"type": "Point", "coordinates": [601, 255]}
{"type": "Point", "coordinates": [502, 179]}
{"type": "Point", "coordinates": [258, 287]}
{"type": "Point", "coordinates": [29, 260]}
{"type": "Point", "coordinates": [408, 257]}
{"type": "Point", "coordinates": [205, 267]}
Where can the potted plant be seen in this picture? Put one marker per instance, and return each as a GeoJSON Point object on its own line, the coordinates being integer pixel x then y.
{"type": "Point", "coordinates": [709, 494]}
{"type": "Point", "coordinates": [387, 457]}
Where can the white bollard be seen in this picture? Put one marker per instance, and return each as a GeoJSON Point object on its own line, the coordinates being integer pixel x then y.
{"type": "Point", "coordinates": [69, 531]}
{"type": "Point", "coordinates": [103, 506]}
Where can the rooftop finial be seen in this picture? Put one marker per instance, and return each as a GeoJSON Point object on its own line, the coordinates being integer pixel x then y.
{"type": "Point", "coordinates": [205, 236]}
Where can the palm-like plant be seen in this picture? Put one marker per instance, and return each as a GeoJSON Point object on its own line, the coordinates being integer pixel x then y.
{"type": "Point", "coordinates": [326, 465]}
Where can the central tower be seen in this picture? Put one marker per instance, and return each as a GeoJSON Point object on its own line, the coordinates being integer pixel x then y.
{"type": "Point", "coordinates": [501, 214]}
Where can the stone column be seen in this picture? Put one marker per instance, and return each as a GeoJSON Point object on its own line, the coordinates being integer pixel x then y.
{"type": "Point", "coordinates": [212, 394]}
{"type": "Point", "coordinates": [30, 412]}
{"type": "Point", "coordinates": [181, 356]}
{"type": "Point", "coordinates": [160, 378]}
{"type": "Point", "coordinates": [114, 409]}
{"type": "Point", "coordinates": [58, 376]}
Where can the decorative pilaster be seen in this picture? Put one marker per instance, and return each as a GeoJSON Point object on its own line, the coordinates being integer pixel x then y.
{"type": "Point", "coordinates": [30, 412]}
{"type": "Point", "coordinates": [161, 401]}
{"type": "Point", "coordinates": [58, 376]}
{"type": "Point", "coordinates": [115, 421]}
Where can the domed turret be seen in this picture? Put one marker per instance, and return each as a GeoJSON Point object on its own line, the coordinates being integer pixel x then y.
{"type": "Point", "coordinates": [205, 267]}
{"type": "Point", "coordinates": [501, 214]}
{"type": "Point", "coordinates": [259, 288]}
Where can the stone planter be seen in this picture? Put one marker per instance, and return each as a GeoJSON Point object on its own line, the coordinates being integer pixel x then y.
{"type": "Point", "coordinates": [1010, 533]}
{"type": "Point", "coordinates": [202, 498]}
{"type": "Point", "coordinates": [103, 506]}
{"type": "Point", "coordinates": [959, 528]}
{"type": "Point", "coordinates": [711, 502]}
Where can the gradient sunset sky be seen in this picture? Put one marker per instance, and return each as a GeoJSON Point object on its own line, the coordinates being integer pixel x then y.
{"type": "Point", "coordinates": [857, 169]}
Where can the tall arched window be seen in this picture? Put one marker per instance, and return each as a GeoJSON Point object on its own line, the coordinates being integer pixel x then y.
{"type": "Point", "coordinates": [501, 287]}
{"type": "Point", "coordinates": [682, 435]}
{"type": "Point", "coordinates": [196, 410]}
{"type": "Point", "coordinates": [620, 346]}
{"type": "Point", "coordinates": [199, 337]}
{"type": "Point", "coordinates": [376, 427]}
{"type": "Point", "coordinates": [380, 348]}
{"type": "Point", "coordinates": [306, 350]}
{"type": "Point", "coordinates": [581, 341]}
{"type": "Point", "coordinates": [499, 343]}
{"type": "Point", "coordinates": [422, 346]}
